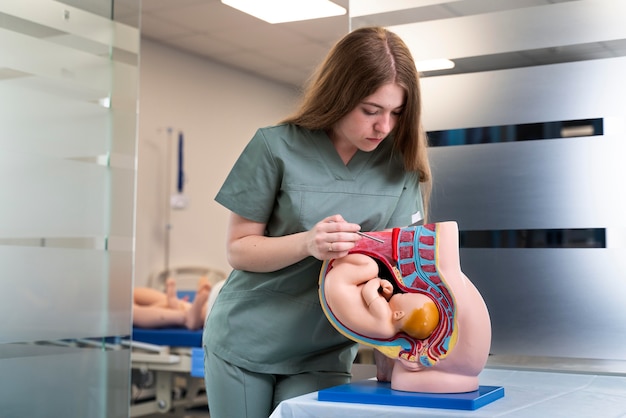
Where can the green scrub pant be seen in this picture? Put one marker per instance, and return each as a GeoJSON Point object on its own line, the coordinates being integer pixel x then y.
{"type": "Point", "coordinates": [235, 392]}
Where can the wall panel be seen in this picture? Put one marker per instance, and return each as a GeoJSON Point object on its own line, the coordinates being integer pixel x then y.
{"type": "Point", "coordinates": [552, 307]}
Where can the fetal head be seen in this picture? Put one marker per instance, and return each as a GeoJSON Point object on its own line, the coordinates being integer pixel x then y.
{"type": "Point", "coordinates": [421, 320]}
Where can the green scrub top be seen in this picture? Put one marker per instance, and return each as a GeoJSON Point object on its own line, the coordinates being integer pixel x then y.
{"type": "Point", "coordinates": [291, 178]}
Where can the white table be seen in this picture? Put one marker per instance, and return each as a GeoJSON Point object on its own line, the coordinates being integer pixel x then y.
{"type": "Point", "coordinates": [527, 394]}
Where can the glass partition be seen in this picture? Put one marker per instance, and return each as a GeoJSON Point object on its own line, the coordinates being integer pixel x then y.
{"type": "Point", "coordinates": [68, 117]}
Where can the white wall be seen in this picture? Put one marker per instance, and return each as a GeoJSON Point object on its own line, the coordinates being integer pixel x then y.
{"type": "Point", "coordinates": [218, 109]}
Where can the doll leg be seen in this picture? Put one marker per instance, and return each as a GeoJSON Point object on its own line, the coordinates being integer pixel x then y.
{"type": "Point", "coordinates": [195, 315]}
{"type": "Point", "coordinates": [173, 301]}
{"type": "Point", "coordinates": [147, 296]}
{"type": "Point", "coordinates": [157, 317]}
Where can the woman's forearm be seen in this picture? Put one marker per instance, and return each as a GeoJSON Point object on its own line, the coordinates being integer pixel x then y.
{"type": "Point", "coordinates": [263, 254]}
{"type": "Point", "coordinates": [249, 249]}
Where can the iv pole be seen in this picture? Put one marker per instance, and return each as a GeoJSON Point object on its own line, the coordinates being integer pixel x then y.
{"type": "Point", "coordinates": [177, 201]}
{"type": "Point", "coordinates": [168, 226]}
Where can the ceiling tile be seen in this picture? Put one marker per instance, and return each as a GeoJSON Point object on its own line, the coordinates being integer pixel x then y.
{"type": "Point", "coordinates": [152, 5]}
{"type": "Point", "coordinates": [157, 29]}
{"type": "Point", "coordinates": [203, 45]}
{"type": "Point", "coordinates": [211, 17]}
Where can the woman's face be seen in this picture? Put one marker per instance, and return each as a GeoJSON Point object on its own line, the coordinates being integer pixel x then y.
{"type": "Point", "coordinates": [369, 123]}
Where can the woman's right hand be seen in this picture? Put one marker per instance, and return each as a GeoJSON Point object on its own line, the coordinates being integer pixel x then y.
{"type": "Point", "coordinates": [332, 237]}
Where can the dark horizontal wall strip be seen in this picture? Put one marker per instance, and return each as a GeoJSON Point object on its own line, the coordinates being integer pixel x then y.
{"type": "Point", "coordinates": [513, 133]}
{"type": "Point", "coordinates": [534, 238]}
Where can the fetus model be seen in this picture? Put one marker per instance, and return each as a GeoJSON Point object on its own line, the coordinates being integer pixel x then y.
{"type": "Point", "coordinates": [405, 295]}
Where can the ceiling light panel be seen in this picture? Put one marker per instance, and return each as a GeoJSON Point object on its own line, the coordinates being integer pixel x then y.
{"type": "Point", "coordinates": [281, 11]}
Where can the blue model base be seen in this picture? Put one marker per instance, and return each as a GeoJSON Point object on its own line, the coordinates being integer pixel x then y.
{"type": "Point", "coordinates": [378, 393]}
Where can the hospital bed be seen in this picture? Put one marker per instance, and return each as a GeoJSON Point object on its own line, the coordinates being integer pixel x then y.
{"type": "Point", "coordinates": [168, 363]}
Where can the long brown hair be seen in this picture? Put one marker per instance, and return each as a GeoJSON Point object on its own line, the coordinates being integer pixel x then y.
{"type": "Point", "coordinates": [359, 64]}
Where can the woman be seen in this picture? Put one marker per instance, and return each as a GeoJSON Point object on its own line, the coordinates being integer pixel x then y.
{"type": "Point", "coordinates": [353, 157]}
